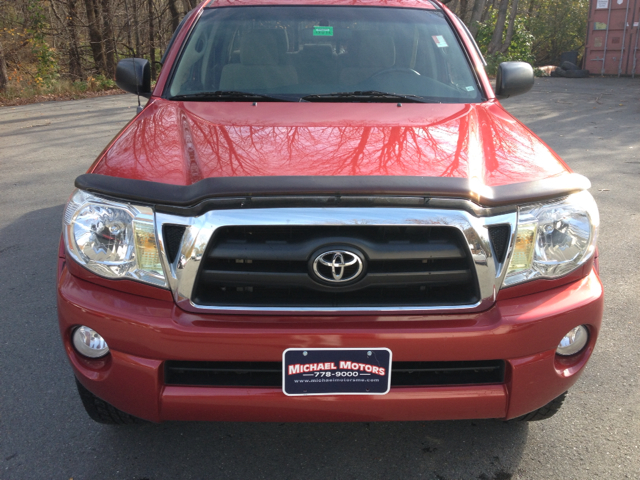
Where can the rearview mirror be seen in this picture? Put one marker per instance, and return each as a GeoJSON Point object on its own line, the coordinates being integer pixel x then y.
{"type": "Point", "coordinates": [133, 75]}
{"type": "Point", "coordinates": [514, 78]}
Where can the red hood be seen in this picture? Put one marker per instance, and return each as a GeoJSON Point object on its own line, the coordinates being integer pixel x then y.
{"type": "Point", "coordinates": [183, 142]}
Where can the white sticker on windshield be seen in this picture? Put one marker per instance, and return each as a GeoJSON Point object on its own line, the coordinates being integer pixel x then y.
{"type": "Point", "coordinates": [470, 89]}
{"type": "Point", "coordinates": [440, 41]}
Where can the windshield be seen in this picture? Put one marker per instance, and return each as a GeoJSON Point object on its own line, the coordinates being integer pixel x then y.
{"type": "Point", "coordinates": [323, 53]}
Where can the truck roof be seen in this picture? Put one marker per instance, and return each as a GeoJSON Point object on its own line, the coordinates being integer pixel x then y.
{"type": "Point", "coordinates": [424, 4]}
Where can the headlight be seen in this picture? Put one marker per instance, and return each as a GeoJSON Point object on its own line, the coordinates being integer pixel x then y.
{"type": "Point", "coordinates": [553, 239]}
{"type": "Point", "coordinates": [112, 239]}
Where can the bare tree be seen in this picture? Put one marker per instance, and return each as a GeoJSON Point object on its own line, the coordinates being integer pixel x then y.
{"type": "Point", "coordinates": [476, 15]}
{"type": "Point", "coordinates": [4, 78]}
{"type": "Point", "coordinates": [463, 9]}
{"type": "Point", "coordinates": [190, 4]}
{"type": "Point", "coordinates": [95, 36]}
{"type": "Point", "coordinates": [152, 48]}
{"type": "Point", "coordinates": [108, 38]}
{"type": "Point", "coordinates": [510, 28]}
{"type": "Point", "coordinates": [136, 26]}
{"type": "Point", "coordinates": [175, 16]}
{"type": "Point", "coordinates": [496, 40]}
{"type": "Point", "coordinates": [75, 64]}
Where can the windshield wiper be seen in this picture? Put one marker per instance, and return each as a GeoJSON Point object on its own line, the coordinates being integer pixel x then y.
{"type": "Point", "coordinates": [368, 95]}
{"type": "Point", "coordinates": [232, 96]}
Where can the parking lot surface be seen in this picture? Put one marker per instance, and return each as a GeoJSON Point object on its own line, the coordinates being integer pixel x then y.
{"type": "Point", "coordinates": [594, 124]}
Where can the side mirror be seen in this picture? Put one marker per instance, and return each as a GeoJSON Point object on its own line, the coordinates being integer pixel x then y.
{"type": "Point", "coordinates": [133, 75]}
{"type": "Point", "coordinates": [514, 78]}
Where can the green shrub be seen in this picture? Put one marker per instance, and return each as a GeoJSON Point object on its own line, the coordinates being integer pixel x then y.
{"type": "Point", "coordinates": [104, 83]}
{"type": "Point", "coordinates": [520, 48]}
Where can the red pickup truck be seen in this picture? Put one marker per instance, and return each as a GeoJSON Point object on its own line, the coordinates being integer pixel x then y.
{"type": "Point", "coordinates": [323, 213]}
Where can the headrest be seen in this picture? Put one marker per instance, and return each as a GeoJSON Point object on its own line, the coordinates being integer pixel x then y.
{"type": "Point", "coordinates": [372, 49]}
{"type": "Point", "coordinates": [263, 47]}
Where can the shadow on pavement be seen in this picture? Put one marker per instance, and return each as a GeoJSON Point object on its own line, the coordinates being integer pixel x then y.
{"type": "Point", "coordinates": [487, 449]}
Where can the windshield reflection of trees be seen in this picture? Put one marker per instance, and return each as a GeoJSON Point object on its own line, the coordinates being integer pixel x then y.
{"type": "Point", "coordinates": [175, 147]}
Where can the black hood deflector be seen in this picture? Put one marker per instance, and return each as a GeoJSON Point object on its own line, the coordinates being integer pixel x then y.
{"type": "Point", "coordinates": [244, 192]}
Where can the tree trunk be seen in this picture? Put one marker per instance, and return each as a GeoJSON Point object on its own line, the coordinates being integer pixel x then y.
{"type": "Point", "coordinates": [61, 35]}
{"type": "Point", "coordinates": [128, 27]}
{"type": "Point", "coordinates": [532, 4]}
{"type": "Point", "coordinates": [190, 4]}
{"type": "Point", "coordinates": [496, 39]}
{"type": "Point", "coordinates": [476, 15]}
{"type": "Point", "coordinates": [453, 5]}
{"type": "Point", "coordinates": [152, 47]}
{"type": "Point", "coordinates": [463, 9]}
{"type": "Point", "coordinates": [109, 41]}
{"type": "Point", "coordinates": [95, 36]}
{"type": "Point", "coordinates": [75, 64]}
{"type": "Point", "coordinates": [175, 16]}
{"type": "Point", "coordinates": [136, 26]}
{"type": "Point", "coordinates": [485, 12]}
{"type": "Point", "coordinates": [510, 28]}
{"type": "Point", "coordinates": [4, 78]}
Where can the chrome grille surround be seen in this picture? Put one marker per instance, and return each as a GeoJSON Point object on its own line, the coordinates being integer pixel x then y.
{"type": "Point", "coordinates": [182, 272]}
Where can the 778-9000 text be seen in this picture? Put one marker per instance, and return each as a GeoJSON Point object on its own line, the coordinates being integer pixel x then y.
{"type": "Point", "coordinates": [338, 374]}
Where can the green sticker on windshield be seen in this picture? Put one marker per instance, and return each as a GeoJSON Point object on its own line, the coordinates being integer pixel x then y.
{"type": "Point", "coordinates": [323, 31]}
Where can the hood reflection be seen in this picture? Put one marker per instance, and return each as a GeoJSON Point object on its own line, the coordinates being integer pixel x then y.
{"type": "Point", "coordinates": [181, 143]}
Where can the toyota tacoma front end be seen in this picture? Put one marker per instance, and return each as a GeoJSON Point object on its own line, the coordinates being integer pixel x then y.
{"type": "Point", "coordinates": [323, 213]}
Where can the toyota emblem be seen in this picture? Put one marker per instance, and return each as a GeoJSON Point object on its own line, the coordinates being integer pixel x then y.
{"type": "Point", "coordinates": [338, 266]}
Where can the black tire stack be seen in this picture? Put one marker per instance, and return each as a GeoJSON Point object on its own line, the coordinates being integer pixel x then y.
{"type": "Point", "coordinates": [569, 70]}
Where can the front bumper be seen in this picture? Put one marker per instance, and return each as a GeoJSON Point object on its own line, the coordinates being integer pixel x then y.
{"type": "Point", "coordinates": [143, 332]}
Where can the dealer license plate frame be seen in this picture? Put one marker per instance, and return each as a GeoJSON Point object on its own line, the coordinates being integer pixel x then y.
{"type": "Point", "coordinates": [330, 383]}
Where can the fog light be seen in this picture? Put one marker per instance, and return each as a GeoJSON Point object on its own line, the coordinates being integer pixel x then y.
{"type": "Point", "coordinates": [89, 343]}
{"type": "Point", "coordinates": [574, 341]}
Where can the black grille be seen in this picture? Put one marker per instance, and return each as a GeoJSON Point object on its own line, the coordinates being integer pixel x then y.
{"type": "Point", "coordinates": [270, 267]}
{"type": "Point", "coordinates": [269, 374]}
{"type": "Point", "coordinates": [172, 235]}
{"type": "Point", "coordinates": [500, 236]}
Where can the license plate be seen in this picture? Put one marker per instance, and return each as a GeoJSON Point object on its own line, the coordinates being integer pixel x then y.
{"type": "Point", "coordinates": [336, 371]}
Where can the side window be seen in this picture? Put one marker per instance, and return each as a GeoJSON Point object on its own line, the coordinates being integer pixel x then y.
{"type": "Point", "coordinates": [191, 71]}
{"type": "Point", "coordinates": [173, 37]}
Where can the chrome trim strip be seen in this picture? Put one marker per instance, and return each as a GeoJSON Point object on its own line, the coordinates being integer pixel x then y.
{"type": "Point", "coordinates": [183, 271]}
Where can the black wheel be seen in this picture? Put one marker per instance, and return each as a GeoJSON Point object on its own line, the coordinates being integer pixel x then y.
{"type": "Point", "coordinates": [548, 411]}
{"type": "Point", "coordinates": [103, 412]}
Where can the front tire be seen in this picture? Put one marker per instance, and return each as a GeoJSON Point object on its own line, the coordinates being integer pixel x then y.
{"type": "Point", "coordinates": [103, 412]}
{"type": "Point", "coordinates": [548, 411]}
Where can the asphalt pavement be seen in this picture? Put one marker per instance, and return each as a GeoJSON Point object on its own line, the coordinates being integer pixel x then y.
{"type": "Point", "coordinates": [594, 124]}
